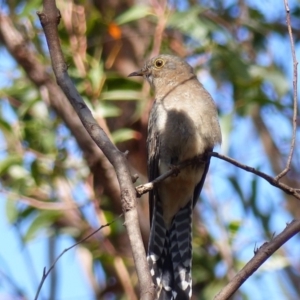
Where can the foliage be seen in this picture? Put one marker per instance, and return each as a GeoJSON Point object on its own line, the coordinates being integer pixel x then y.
{"type": "Point", "coordinates": [54, 186]}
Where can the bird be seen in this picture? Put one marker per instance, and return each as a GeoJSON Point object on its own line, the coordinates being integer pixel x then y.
{"type": "Point", "coordinates": [183, 124]}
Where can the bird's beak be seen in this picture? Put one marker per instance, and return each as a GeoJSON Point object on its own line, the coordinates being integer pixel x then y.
{"type": "Point", "coordinates": [137, 73]}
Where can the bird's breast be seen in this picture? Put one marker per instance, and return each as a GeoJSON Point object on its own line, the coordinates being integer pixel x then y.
{"type": "Point", "coordinates": [181, 134]}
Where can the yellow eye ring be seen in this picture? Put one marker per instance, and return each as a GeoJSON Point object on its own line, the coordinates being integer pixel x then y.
{"type": "Point", "coordinates": [159, 63]}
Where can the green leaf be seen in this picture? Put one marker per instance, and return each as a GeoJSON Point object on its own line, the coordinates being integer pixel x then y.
{"type": "Point", "coordinates": [11, 210]}
{"type": "Point", "coordinates": [105, 110]}
{"type": "Point", "coordinates": [43, 220]}
{"type": "Point", "coordinates": [193, 26]}
{"type": "Point", "coordinates": [234, 226]}
{"type": "Point", "coordinates": [5, 126]}
{"type": "Point", "coordinates": [26, 106]}
{"type": "Point", "coordinates": [134, 13]}
{"type": "Point", "coordinates": [96, 75]}
{"type": "Point", "coordinates": [123, 135]}
{"type": "Point", "coordinates": [236, 186]}
{"type": "Point", "coordinates": [40, 135]}
{"type": "Point", "coordinates": [121, 95]}
{"type": "Point", "coordinates": [273, 76]}
{"type": "Point", "coordinates": [36, 171]}
{"type": "Point", "coordinates": [30, 7]}
{"type": "Point", "coordinates": [8, 162]}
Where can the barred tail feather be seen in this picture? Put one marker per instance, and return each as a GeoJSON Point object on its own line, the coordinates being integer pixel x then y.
{"type": "Point", "coordinates": [181, 251]}
{"type": "Point", "coordinates": [170, 254]}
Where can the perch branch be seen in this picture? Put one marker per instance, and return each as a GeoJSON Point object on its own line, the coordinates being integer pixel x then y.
{"type": "Point", "coordinates": [144, 188]}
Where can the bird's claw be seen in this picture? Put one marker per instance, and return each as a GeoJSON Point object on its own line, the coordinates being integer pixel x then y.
{"type": "Point", "coordinates": [175, 170]}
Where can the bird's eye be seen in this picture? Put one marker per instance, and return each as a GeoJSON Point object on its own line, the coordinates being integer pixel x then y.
{"type": "Point", "coordinates": [159, 63]}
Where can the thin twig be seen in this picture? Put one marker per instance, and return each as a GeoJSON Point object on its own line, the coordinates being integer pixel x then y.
{"type": "Point", "coordinates": [43, 205]}
{"type": "Point", "coordinates": [295, 94]}
{"type": "Point", "coordinates": [261, 255]}
{"type": "Point", "coordinates": [46, 273]}
{"type": "Point", "coordinates": [273, 181]}
{"type": "Point", "coordinates": [144, 188]}
{"type": "Point", "coordinates": [160, 8]}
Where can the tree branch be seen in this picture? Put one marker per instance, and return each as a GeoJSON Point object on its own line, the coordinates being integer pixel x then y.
{"type": "Point", "coordinates": [46, 273]}
{"type": "Point", "coordinates": [273, 181]}
{"type": "Point", "coordinates": [144, 188]}
{"type": "Point", "coordinates": [49, 19]}
{"type": "Point", "coordinates": [260, 256]}
{"type": "Point", "coordinates": [43, 205]}
{"type": "Point", "coordinates": [295, 93]}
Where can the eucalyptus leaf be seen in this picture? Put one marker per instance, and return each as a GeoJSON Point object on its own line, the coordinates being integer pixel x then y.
{"type": "Point", "coordinates": [11, 210]}
{"type": "Point", "coordinates": [134, 13]}
{"type": "Point", "coordinates": [42, 221]}
{"type": "Point", "coordinates": [8, 162]}
{"type": "Point", "coordinates": [121, 95]}
{"type": "Point", "coordinates": [123, 135]}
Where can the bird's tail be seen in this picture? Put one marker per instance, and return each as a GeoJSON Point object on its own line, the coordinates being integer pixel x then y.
{"type": "Point", "coordinates": [170, 254]}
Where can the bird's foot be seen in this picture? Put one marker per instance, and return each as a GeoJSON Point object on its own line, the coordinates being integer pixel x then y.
{"type": "Point", "coordinates": [175, 170]}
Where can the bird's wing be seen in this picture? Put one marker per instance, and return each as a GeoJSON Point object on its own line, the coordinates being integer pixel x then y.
{"type": "Point", "coordinates": [199, 186]}
{"type": "Point", "coordinates": [153, 157]}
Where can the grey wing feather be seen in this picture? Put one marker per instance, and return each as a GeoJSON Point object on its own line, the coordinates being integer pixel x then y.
{"type": "Point", "coordinates": [153, 156]}
{"type": "Point", "coordinates": [199, 186]}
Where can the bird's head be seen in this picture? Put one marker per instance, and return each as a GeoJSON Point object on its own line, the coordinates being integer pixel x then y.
{"type": "Point", "coordinates": [164, 69]}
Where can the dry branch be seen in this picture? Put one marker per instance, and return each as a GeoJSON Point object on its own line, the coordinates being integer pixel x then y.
{"type": "Point", "coordinates": [144, 188]}
{"type": "Point", "coordinates": [273, 181]}
{"type": "Point", "coordinates": [295, 92]}
{"type": "Point", "coordinates": [47, 272]}
{"type": "Point", "coordinates": [49, 19]}
{"type": "Point", "coordinates": [261, 255]}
